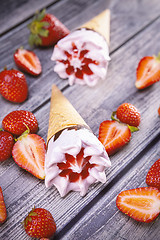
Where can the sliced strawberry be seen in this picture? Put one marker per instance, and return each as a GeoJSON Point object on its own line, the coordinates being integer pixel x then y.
{"type": "Point", "coordinates": [141, 204]}
{"type": "Point", "coordinates": [27, 61]}
{"type": "Point", "coordinates": [148, 71]}
{"type": "Point", "coordinates": [113, 135]}
{"type": "Point", "coordinates": [3, 212]}
{"type": "Point", "coordinates": [29, 153]}
{"type": "Point", "coordinates": [18, 121]}
{"type": "Point", "coordinates": [153, 176]}
{"type": "Point", "coordinates": [13, 86]}
{"type": "Point", "coordinates": [129, 114]}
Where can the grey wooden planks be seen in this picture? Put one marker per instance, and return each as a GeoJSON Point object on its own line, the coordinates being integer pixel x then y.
{"type": "Point", "coordinates": [22, 190]}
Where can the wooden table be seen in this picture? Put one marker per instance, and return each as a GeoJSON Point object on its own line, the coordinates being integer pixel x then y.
{"type": "Point", "coordinates": [135, 32]}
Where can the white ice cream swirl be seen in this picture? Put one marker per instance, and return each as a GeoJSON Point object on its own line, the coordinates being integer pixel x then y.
{"type": "Point", "coordinates": [74, 161]}
{"type": "Point", "coordinates": [82, 57]}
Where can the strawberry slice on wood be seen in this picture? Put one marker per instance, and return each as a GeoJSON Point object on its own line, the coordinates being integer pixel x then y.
{"type": "Point", "coordinates": [153, 176]}
{"type": "Point", "coordinates": [113, 135]}
{"type": "Point", "coordinates": [29, 153]}
{"type": "Point", "coordinates": [141, 204]}
{"type": "Point", "coordinates": [3, 212]}
{"type": "Point", "coordinates": [27, 61]}
{"type": "Point", "coordinates": [148, 71]}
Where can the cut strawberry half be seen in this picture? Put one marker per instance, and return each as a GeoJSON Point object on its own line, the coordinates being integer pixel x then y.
{"type": "Point", "coordinates": [148, 71]}
{"type": "Point", "coordinates": [153, 176]}
{"type": "Point", "coordinates": [141, 204]}
{"type": "Point", "coordinates": [3, 212]}
{"type": "Point", "coordinates": [29, 153]}
{"type": "Point", "coordinates": [113, 135]}
{"type": "Point", "coordinates": [27, 61]}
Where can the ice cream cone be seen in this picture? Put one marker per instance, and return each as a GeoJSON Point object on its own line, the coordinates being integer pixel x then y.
{"type": "Point", "coordinates": [100, 24]}
{"type": "Point", "coordinates": [62, 114]}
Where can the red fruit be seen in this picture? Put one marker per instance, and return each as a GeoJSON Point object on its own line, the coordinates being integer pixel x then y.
{"type": "Point", "coordinates": [16, 122]}
{"type": "Point", "coordinates": [159, 110]}
{"type": "Point", "coordinates": [127, 113]}
{"type": "Point", "coordinates": [6, 145]}
{"type": "Point", "coordinates": [27, 61]}
{"type": "Point", "coordinates": [153, 176]}
{"type": "Point", "coordinates": [46, 30]}
{"type": "Point", "coordinates": [39, 223]}
{"type": "Point", "coordinates": [13, 85]}
{"type": "Point", "coordinates": [3, 212]}
{"type": "Point", "coordinates": [29, 153]}
{"type": "Point", "coordinates": [148, 71]}
{"type": "Point", "coordinates": [113, 135]}
{"type": "Point", "coordinates": [141, 204]}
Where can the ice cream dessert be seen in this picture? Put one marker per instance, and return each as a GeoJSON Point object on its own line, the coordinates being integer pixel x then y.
{"type": "Point", "coordinates": [82, 56]}
{"type": "Point", "coordinates": [75, 158]}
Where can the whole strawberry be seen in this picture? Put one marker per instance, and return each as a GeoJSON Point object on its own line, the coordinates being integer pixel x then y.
{"type": "Point", "coordinates": [39, 223]}
{"type": "Point", "coordinates": [13, 86]}
{"type": "Point", "coordinates": [6, 145]}
{"type": "Point", "coordinates": [18, 121]}
{"type": "Point", "coordinates": [153, 176]}
{"type": "Point", "coordinates": [46, 30]}
{"type": "Point", "coordinates": [127, 113]}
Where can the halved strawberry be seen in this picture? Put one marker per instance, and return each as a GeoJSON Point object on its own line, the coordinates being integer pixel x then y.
{"type": "Point", "coordinates": [129, 114]}
{"type": "Point", "coordinates": [29, 153]}
{"type": "Point", "coordinates": [113, 135]}
{"type": "Point", "coordinates": [27, 61]}
{"type": "Point", "coordinates": [3, 212]}
{"type": "Point", "coordinates": [141, 204]}
{"type": "Point", "coordinates": [153, 176]}
{"type": "Point", "coordinates": [148, 71]}
{"type": "Point", "coordinates": [18, 121]}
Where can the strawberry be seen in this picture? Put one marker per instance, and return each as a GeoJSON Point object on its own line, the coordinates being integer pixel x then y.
{"type": "Point", "coordinates": [46, 30]}
{"type": "Point", "coordinates": [153, 176]}
{"type": "Point", "coordinates": [6, 145]}
{"type": "Point", "coordinates": [148, 71]}
{"type": "Point", "coordinates": [29, 153]}
{"type": "Point", "coordinates": [141, 204]}
{"type": "Point", "coordinates": [127, 113]}
{"type": "Point", "coordinates": [27, 61]}
{"type": "Point", "coordinates": [39, 223]}
{"type": "Point", "coordinates": [113, 135]}
{"type": "Point", "coordinates": [18, 121]}
{"type": "Point", "coordinates": [159, 110]}
{"type": "Point", "coordinates": [13, 85]}
{"type": "Point", "coordinates": [3, 212]}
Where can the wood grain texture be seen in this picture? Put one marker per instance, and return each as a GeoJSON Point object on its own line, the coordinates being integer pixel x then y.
{"type": "Point", "coordinates": [22, 191]}
{"type": "Point", "coordinates": [104, 221]}
{"type": "Point", "coordinates": [15, 12]}
{"type": "Point", "coordinates": [39, 88]}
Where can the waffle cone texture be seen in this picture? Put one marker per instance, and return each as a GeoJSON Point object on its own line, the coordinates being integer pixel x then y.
{"type": "Point", "coordinates": [62, 114]}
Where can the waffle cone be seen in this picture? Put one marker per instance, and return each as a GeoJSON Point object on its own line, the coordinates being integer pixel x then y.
{"type": "Point", "coordinates": [100, 24]}
{"type": "Point", "coordinates": [62, 114]}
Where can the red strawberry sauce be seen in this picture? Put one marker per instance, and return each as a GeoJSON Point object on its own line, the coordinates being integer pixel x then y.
{"type": "Point", "coordinates": [83, 62]}
{"type": "Point", "coordinates": [75, 168]}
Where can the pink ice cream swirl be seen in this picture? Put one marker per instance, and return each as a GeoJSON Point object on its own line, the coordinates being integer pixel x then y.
{"type": "Point", "coordinates": [82, 57]}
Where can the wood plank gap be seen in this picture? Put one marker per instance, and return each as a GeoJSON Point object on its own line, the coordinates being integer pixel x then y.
{"type": "Point", "coordinates": [29, 17]}
{"type": "Point", "coordinates": [123, 172]}
{"type": "Point", "coordinates": [134, 35]}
